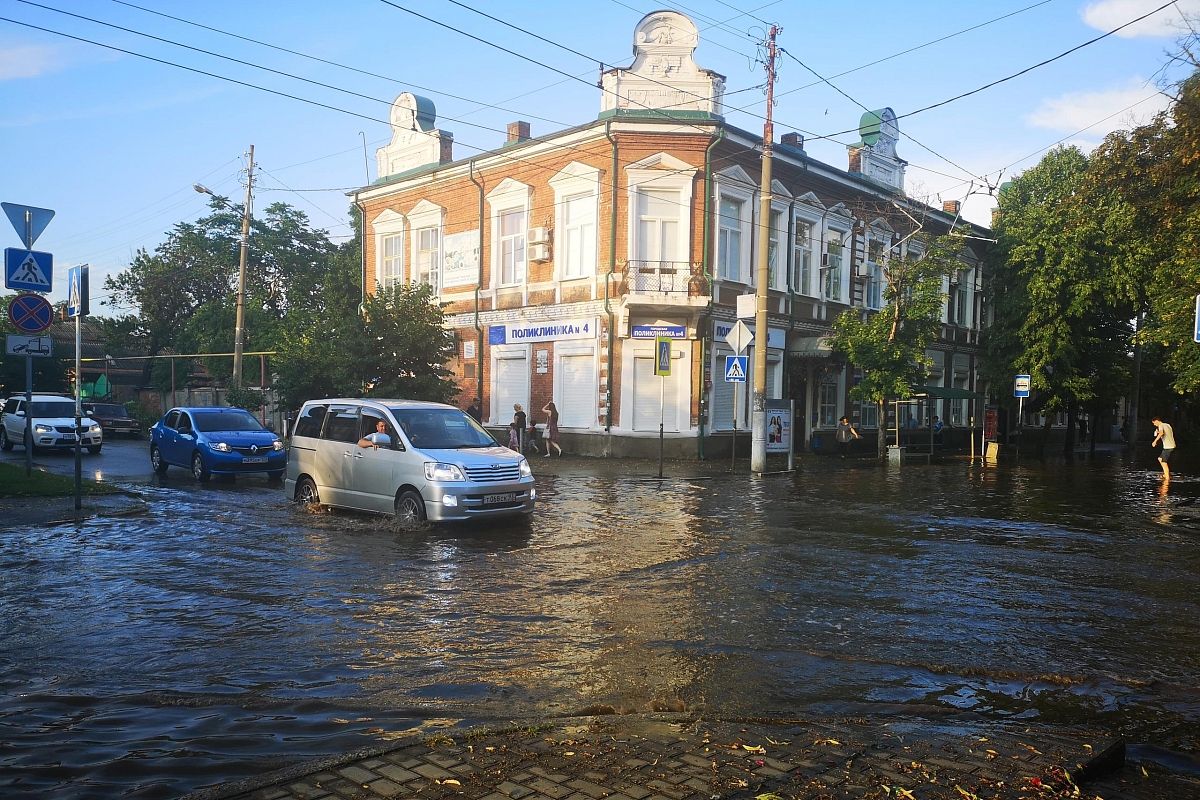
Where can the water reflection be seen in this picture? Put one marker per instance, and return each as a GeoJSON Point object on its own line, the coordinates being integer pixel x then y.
{"type": "Point", "coordinates": [231, 629]}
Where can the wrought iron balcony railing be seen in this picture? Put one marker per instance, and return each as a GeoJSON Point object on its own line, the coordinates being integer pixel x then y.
{"type": "Point", "coordinates": [665, 277]}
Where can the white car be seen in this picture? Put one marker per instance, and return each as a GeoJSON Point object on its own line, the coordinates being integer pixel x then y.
{"type": "Point", "coordinates": [53, 423]}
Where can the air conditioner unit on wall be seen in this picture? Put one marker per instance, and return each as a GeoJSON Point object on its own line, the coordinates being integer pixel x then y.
{"type": "Point", "coordinates": [539, 235]}
{"type": "Point", "coordinates": [539, 252]}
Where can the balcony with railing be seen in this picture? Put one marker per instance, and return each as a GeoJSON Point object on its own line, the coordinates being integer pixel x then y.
{"type": "Point", "coordinates": [665, 283]}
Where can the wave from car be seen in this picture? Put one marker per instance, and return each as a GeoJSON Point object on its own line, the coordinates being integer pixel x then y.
{"type": "Point", "coordinates": [215, 441]}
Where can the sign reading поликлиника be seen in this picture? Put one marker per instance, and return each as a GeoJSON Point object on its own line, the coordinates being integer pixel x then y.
{"type": "Point", "coordinates": [547, 331]}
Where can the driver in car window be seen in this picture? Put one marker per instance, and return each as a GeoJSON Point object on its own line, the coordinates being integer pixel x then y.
{"type": "Point", "coordinates": [379, 437]}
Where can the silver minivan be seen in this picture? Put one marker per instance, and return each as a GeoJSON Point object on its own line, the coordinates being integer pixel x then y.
{"type": "Point", "coordinates": [415, 459]}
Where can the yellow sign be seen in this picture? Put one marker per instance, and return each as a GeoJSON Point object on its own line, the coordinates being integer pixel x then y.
{"type": "Point", "coordinates": [662, 356]}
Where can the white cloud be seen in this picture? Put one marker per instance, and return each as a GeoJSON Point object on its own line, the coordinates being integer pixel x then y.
{"type": "Point", "coordinates": [1104, 15]}
{"type": "Point", "coordinates": [28, 61]}
{"type": "Point", "coordinates": [1096, 114]}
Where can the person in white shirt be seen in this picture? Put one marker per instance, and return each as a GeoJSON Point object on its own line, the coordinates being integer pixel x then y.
{"type": "Point", "coordinates": [1166, 434]}
{"type": "Point", "coordinates": [379, 437]}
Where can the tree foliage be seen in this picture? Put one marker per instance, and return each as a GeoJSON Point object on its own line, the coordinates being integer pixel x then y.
{"type": "Point", "coordinates": [890, 346]}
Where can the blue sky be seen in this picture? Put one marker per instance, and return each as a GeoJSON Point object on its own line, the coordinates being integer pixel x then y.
{"type": "Point", "coordinates": [113, 142]}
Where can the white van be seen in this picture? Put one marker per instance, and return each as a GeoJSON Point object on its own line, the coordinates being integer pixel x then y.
{"type": "Point", "coordinates": [415, 459]}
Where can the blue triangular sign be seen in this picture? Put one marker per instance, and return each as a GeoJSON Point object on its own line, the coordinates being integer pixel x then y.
{"type": "Point", "coordinates": [28, 221]}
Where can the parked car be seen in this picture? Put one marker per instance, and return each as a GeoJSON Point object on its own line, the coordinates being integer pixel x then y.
{"type": "Point", "coordinates": [423, 461]}
{"type": "Point", "coordinates": [113, 418]}
{"type": "Point", "coordinates": [53, 423]}
{"type": "Point", "coordinates": [215, 441]}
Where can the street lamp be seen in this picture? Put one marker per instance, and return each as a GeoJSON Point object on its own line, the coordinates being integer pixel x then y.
{"type": "Point", "coordinates": [239, 326]}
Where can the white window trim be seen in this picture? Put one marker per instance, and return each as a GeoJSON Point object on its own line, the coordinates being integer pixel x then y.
{"type": "Point", "coordinates": [664, 172]}
{"type": "Point", "coordinates": [842, 227]}
{"type": "Point", "coordinates": [426, 215]}
{"type": "Point", "coordinates": [735, 184]}
{"type": "Point", "coordinates": [507, 196]}
{"type": "Point", "coordinates": [570, 182]}
{"type": "Point", "coordinates": [784, 249]}
{"type": "Point", "coordinates": [812, 218]}
{"type": "Point", "coordinates": [388, 223]}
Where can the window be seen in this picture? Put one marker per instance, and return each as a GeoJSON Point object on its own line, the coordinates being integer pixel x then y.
{"type": "Point", "coordinates": [729, 239]}
{"type": "Point", "coordinates": [658, 225]}
{"type": "Point", "coordinates": [802, 257]}
{"type": "Point", "coordinates": [428, 244]}
{"type": "Point", "coordinates": [512, 246]}
{"type": "Point", "coordinates": [956, 300]}
{"type": "Point", "coordinates": [391, 269]}
{"type": "Point", "coordinates": [873, 297]}
{"type": "Point", "coordinates": [868, 415]}
{"type": "Point", "coordinates": [834, 244]}
{"type": "Point", "coordinates": [827, 401]}
{"type": "Point", "coordinates": [775, 270]}
{"type": "Point", "coordinates": [309, 423]}
{"type": "Point", "coordinates": [341, 424]}
{"type": "Point", "coordinates": [577, 242]}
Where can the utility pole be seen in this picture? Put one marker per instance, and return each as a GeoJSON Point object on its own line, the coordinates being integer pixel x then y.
{"type": "Point", "coordinates": [239, 333]}
{"type": "Point", "coordinates": [758, 418]}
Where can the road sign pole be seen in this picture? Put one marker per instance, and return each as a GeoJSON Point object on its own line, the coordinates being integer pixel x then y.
{"type": "Point", "coordinates": [733, 446]}
{"type": "Point", "coordinates": [28, 416]}
{"type": "Point", "coordinates": [662, 415]}
{"type": "Point", "coordinates": [78, 420]}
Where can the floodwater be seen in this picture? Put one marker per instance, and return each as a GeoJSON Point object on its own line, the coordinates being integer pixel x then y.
{"type": "Point", "coordinates": [229, 632]}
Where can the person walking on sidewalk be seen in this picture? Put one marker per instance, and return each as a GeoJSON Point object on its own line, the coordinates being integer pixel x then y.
{"type": "Point", "coordinates": [551, 428]}
{"type": "Point", "coordinates": [845, 432]}
{"type": "Point", "coordinates": [1166, 434]}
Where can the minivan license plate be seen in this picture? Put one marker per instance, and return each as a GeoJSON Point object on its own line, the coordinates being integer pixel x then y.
{"type": "Point", "coordinates": [254, 460]}
{"type": "Point", "coordinates": [507, 497]}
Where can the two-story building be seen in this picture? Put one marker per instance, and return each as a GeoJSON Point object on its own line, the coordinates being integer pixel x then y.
{"type": "Point", "coordinates": [561, 258]}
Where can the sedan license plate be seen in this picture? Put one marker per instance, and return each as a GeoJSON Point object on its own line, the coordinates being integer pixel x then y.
{"type": "Point", "coordinates": [507, 497]}
{"type": "Point", "coordinates": [254, 460]}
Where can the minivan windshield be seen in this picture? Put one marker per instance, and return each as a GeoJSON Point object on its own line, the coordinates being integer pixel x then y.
{"type": "Point", "coordinates": [226, 421]}
{"type": "Point", "coordinates": [441, 428]}
{"type": "Point", "coordinates": [52, 408]}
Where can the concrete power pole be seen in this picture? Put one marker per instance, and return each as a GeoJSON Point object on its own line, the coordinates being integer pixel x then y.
{"type": "Point", "coordinates": [758, 419]}
{"type": "Point", "coordinates": [239, 333]}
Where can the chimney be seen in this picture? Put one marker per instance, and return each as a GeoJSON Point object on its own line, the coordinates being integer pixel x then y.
{"type": "Point", "coordinates": [951, 207]}
{"type": "Point", "coordinates": [518, 131]}
{"type": "Point", "coordinates": [792, 140]}
{"type": "Point", "coordinates": [855, 160]}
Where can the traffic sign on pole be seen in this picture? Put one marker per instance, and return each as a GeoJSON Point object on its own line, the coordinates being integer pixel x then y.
{"type": "Point", "coordinates": [30, 313]}
{"type": "Point", "coordinates": [1196, 327]}
{"type": "Point", "coordinates": [28, 270]}
{"type": "Point", "coordinates": [28, 221]}
{"type": "Point", "coordinates": [736, 368]}
{"type": "Point", "coordinates": [739, 336]}
{"type": "Point", "coordinates": [662, 356]}
{"type": "Point", "coordinates": [77, 291]}
{"type": "Point", "coordinates": [1021, 386]}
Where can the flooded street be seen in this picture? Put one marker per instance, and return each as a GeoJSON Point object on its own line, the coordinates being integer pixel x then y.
{"type": "Point", "coordinates": [229, 631]}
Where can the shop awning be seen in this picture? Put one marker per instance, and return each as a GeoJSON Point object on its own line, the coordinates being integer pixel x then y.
{"type": "Point", "coordinates": [945, 393]}
{"type": "Point", "coordinates": [810, 347]}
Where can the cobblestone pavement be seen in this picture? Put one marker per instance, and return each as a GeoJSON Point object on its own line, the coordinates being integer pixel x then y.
{"type": "Point", "coordinates": [672, 757]}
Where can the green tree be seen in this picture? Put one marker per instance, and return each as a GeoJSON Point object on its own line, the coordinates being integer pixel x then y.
{"type": "Point", "coordinates": [405, 345]}
{"type": "Point", "coordinates": [890, 346]}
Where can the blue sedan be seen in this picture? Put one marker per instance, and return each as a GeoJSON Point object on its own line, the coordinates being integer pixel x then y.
{"type": "Point", "coordinates": [215, 441]}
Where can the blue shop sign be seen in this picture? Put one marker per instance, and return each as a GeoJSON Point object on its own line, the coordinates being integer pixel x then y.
{"type": "Point", "coordinates": [658, 331]}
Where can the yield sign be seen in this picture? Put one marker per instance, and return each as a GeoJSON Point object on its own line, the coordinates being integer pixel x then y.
{"type": "Point", "coordinates": [28, 221]}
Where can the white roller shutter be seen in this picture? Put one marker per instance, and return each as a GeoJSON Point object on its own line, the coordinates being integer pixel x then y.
{"type": "Point", "coordinates": [722, 399]}
{"type": "Point", "coordinates": [648, 390]}
{"type": "Point", "coordinates": [577, 392]}
{"type": "Point", "coordinates": [512, 382]}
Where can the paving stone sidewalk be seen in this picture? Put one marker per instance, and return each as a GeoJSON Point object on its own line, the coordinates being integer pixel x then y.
{"type": "Point", "coordinates": [673, 757]}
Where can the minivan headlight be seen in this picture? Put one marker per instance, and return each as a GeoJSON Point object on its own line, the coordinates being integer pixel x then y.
{"type": "Point", "coordinates": [222, 447]}
{"type": "Point", "coordinates": [438, 471]}
{"type": "Point", "coordinates": [94, 429]}
{"type": "Point", "coordinates": [526, 472]}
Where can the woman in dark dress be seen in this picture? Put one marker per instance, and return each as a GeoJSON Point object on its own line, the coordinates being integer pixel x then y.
{"type": "Point", "coordinates": [551, 428]}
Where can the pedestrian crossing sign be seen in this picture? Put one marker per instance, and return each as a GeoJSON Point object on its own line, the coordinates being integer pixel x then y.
{"type": "Point", "coordinates": [735, 369]}
{"type": "Point", "coordinates": [78, 292]}
{"type": "Point", "coordinates": [662, 356]}
{"type": "Point", "coordinates": [28, 270]}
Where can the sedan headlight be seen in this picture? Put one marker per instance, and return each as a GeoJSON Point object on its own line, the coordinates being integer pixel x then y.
{"type": "Point", "coordinates": [526, 472]}
{"type": "Point", "coordinates": [220, 447]}
{"type": "Point", "coordinates": [437, 471]}
{"type": "Point", "coordinates": [40, 428]}
{"type": "Point", "coordinates": [277, 444]}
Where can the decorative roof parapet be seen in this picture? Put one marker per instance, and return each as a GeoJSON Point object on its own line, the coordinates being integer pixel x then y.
{"type": "Point", "coordinates": [664, 75]}
{"type": "Point", "coordinates": [874, 156]}
{"type": "Point", "coordinates": [415, 142]}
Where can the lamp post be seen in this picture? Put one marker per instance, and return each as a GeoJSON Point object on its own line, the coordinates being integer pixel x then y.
{"type": "Point", "coordinates": [239, 332]}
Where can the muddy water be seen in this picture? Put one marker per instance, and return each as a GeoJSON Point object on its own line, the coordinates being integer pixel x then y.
{"type": "Point", "coordinates": [229, 632]}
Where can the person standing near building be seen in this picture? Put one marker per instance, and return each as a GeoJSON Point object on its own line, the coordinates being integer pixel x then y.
{"type": "Point", "coordinates": [551, 428]}
{"type": "Point", "coordinates": [474, 412]}
{"type": "Point", "coordinates": [845, 432]}
{"type": "Point", "coordinates": [1166, 434]}
{"type": "Point", "coordinates": [521, 421]}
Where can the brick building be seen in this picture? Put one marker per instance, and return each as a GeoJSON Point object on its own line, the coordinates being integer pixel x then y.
{"type": "Point", "coordinates": [559, 259]}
